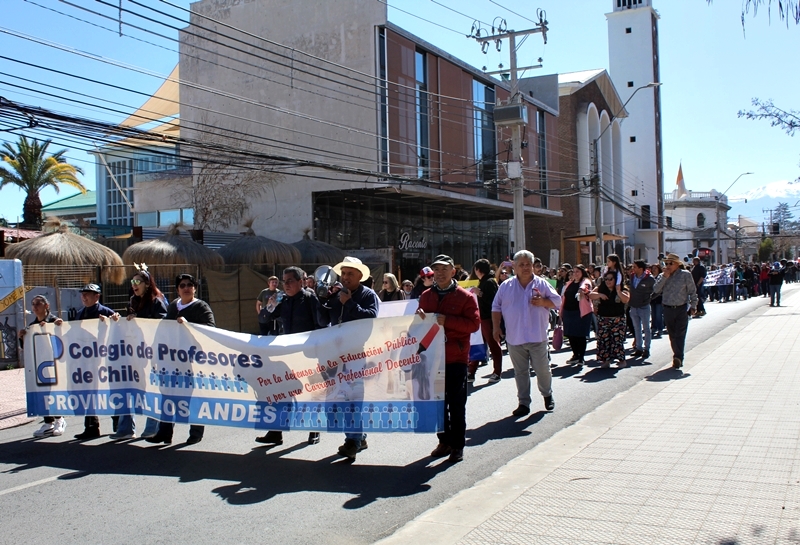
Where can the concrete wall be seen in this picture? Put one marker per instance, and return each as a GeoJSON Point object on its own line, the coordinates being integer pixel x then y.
{"type": "Point", "coordinates": [280, 101]}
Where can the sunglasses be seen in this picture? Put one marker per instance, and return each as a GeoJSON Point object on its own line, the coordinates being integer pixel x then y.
{"type": "Point", "coordinates": [136, 282]}
{"type": "Point", "coordinates": [503, 273]}
{"type": "Point", "coordinates": [37, 303]}
{"type": "Point", "coordinates": [184, 286]}
{"type": "Point", "coordinates": [385, 281]}
{"type": "Point", "coordinates": [609, 279]}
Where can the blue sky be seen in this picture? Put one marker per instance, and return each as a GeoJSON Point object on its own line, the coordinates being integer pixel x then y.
{"type": "Point", "coordinates": [709, 71]}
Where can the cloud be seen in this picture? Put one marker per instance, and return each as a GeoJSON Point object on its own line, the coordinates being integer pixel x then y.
{"type": "Point", "coordinates": [773, 190]}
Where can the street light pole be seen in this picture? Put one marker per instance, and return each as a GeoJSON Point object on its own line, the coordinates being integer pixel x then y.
{"type": "Point", "coordinates": [598, 228]}
{"type": "Point", "coordinates": [719, 227]}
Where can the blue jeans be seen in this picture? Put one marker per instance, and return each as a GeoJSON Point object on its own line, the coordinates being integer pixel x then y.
{"type": "Point", "coordinates": [774, 291]}
{"type": "Point", "coordinates": [657, 313]}
{"type": "Point", "coordinates": [357, 437]}
{"type": "Point", "coordinates": [126, 424]}
{"type": "Point", "coordinates": [641, 320]}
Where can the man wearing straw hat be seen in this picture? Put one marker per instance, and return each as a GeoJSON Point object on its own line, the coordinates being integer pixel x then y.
{"type": "Point", "coordinates": [354, 302]}
{"type": "Point", "coordinates": [679, 294]}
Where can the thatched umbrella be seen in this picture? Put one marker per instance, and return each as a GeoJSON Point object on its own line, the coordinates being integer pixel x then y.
{"type": "Point", "coordinates": [254, 249]}
{"type": "Point", "coordinates": [65, 259]}
{"type": "Point", "coordinates": [171, 249]}
{"type": "Point", "coordinates": [314, 251]}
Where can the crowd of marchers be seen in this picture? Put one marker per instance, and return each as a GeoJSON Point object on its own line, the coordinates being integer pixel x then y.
{"type": "Point", "coordinates": [515, 306]}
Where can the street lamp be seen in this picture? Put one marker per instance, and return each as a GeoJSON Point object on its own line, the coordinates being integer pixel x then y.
{"type": "Point", "coordinates": [598, 228]}
{"type": "Point", "coordinates": [719, 249]}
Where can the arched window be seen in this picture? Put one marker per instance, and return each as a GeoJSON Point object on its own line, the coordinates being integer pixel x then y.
{"type": "Point", "coordinates": [701, 220]}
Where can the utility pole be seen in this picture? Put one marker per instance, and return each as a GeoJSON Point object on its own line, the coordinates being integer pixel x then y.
{"type": "Point", "coordinates": [513, 114]}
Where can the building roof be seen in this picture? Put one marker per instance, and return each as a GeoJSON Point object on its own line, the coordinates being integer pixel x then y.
{"type": "Point", "coordinates": [571, 82]}
{"type": "Point", "coordinates": [80, 200]}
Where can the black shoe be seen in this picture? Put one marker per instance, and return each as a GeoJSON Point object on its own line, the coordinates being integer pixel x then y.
{"type": "Point", "coordinates": [638, 354]}
{"type": "Point", "coordinates": [349, 448]}
{"type": "Point", "coordinates": [160, 438]}
{"type": "Point", "coordinates": [470, 377]}
{"type": "Point", "coordinates": [272, 438]}
{"type": "Point", "coordinates": [441, 451]}
{"type": "Point", "coordinates": [677, 363]}
{"type": "Point", "coordinates": [645, 354]}
{"type": "Point", "coordinates": [522, 410]}
{"type": "Point", "coordinates": [574, 359]}
{"type": "Point", "coordinates": [313, 438]}
{"type": "Point", "coordinates": [88, 433]}
{"type": "Point", "coordinates": [549, 404]}
{"type": "Point", "coordinates": [193, 439]}
{"type": "Point", "coordinates": [456, 455]}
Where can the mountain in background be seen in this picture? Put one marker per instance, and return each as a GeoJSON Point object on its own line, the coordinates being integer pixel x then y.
{"type": "Point", "coordinates": [765, 198]}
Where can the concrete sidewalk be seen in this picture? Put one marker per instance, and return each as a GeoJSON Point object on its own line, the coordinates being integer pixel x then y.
{"type": "Point", "coordinates": [709, 454]}
{"type": "Point", "coordinates": [13, 406]}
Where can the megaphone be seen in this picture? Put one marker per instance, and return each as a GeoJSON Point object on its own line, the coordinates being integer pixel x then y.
{"type": "Point", "coordinates": [325, 278]}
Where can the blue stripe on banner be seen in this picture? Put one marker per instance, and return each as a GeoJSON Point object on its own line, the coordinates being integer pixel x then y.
{"type": "Point", "coordinates": [372, 416]}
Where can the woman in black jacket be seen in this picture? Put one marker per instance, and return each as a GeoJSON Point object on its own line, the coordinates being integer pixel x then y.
{"type": "Point", "coordinates": [186, 308]}
{"type": "Point", "coordinates": [147, 302]}
{"type": "Point", "coordinates": [487, 289]}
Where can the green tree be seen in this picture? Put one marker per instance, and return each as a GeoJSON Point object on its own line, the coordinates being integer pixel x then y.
{"type": "Point", "coordinates": [765, 250]}
{"type": "Point", "coordinates": [29, 167]}
{"type": "Point", "coordinates": [787, 9]}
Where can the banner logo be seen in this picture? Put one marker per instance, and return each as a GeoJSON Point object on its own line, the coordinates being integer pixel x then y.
{"type": "Point", "coordinates": [47, 349]}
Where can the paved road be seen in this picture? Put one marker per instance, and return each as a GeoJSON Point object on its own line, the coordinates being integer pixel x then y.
{"type": "Point", "coordinates": [229, 489]}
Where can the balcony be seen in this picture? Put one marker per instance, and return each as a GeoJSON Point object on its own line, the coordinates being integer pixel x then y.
{"type": "Point", "coordinates": [695, 196]}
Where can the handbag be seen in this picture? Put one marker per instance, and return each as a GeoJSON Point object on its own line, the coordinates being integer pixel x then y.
{"type": "Point", "coordinates": [558, 336]}
{"type": "Point", "coordinates": [585, 305]}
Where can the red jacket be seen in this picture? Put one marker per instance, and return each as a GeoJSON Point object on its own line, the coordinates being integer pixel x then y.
{"type": "Point", "coordinates": [462, 319]}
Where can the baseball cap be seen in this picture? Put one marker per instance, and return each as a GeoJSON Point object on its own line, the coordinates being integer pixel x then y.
{"type": "Point", "coordinates": [94, 288]}
{"type": "Point", "coordinates": [426, 271]}
{"type": "Point", "coordinates": [442, 259]}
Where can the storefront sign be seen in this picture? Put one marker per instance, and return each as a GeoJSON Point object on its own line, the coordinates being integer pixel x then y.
{"type": "Point", "coordinates": [407, 244]}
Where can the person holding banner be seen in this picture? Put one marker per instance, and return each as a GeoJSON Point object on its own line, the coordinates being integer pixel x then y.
{"type": "Point", "coordinates": [92, 309]}
{"type": "Point", "coordinates": [147, 302]}
{"type": "Point", "coordinates": [299, 310]}
{"type": "Point", "coordinates": [53, 425]}
{"type": "Point", "coordinates": [457, 311]}
{"type": "Point", "coordinates": [186, 308]}
{"type": "Point", "coordinates": [353, 302]}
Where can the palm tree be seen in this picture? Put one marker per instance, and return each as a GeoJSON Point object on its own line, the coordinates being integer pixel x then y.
{"type": "Point", "coordinates": [29, 168]}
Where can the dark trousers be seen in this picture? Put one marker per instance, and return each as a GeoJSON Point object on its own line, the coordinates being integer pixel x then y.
{"type": "Point", "coordinates": [94, 422]}
{"type": "Point", "coordinates": [166, 428]}
{"type": "Point", "coordinates": [677, 322]}
{"type": "Point", "coordinates": [494, 349]}
{"type": "Point", "coordinates": [455, 406]}
{"type": "Point", "coordinates": [578, 345]}
{"type": "Point", "coordinates": [701, 298]}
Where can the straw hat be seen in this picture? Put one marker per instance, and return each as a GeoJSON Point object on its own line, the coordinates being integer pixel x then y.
{"type": "Point", "coordinates": [353, 263]}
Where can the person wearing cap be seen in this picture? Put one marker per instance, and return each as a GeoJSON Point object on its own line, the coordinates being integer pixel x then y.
{"type": "Point", "coordinates": [699, 274]}
{"type": "Point", "coordinates": [457, 312]}
{"type": "Point", "coordinates": [678, 292]}
{"type": "Point", "coordinates": [408, 287]}
{"type": "Point", "coordinates": [775, 276]}
{"type": "Point", "coordinates": [92, 309]}
{"type": "Point", "coordinates": [186, 308]}
{"type": "Point", "coordinates": [53, 425]}
{"type": "Point", "coordinates": [353, 302]}
{"type": "Point", "coordinates": [424, 281]}
{"type": "Point", "coordinates": [265, 325]}
{"type": "Point", "coordinates": [299, 310]}
{"type": "Point", "coordinates": [524, 302]}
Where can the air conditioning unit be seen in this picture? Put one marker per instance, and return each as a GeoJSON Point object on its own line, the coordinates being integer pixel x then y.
{"type": "Point", "coordinates": [512, 114]}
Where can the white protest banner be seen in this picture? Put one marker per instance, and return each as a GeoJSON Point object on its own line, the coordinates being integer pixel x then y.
{"type": "Point", "coordinates": [381, 375]}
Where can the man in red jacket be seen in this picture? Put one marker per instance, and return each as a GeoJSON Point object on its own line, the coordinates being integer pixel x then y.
{"type": "Point", "coordinates": [457, 312]}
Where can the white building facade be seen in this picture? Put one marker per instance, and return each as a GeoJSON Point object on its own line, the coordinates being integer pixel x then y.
{"type": "Point", "coordinates": [633, 64]}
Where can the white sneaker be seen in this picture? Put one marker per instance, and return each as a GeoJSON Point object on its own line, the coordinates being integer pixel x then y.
{"type": "Point", "coordinates": [60, 426]}
{"type": "Point", "coordinates": [45, 431]}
